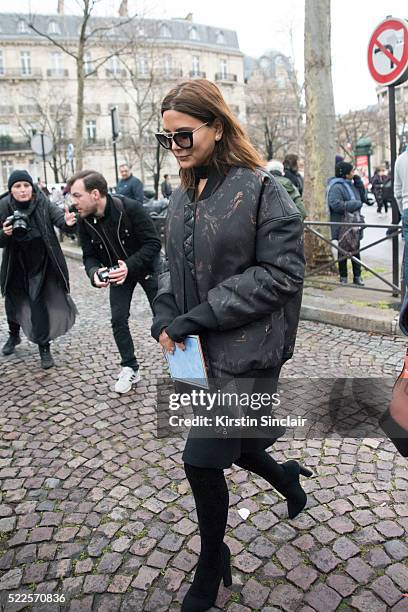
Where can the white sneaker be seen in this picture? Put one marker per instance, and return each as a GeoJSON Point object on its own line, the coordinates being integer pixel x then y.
{"type": "Point", "coordinates": [126, 379]}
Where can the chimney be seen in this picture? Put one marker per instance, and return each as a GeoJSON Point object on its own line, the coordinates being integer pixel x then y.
{"type": "Point", "coordinates": [60, 9]}
{"type": "Point", "coordinates": [123, 9]}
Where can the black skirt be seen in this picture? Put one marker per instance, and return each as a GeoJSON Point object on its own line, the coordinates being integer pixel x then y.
{"type": "Point", "coordinates": [226, 445]}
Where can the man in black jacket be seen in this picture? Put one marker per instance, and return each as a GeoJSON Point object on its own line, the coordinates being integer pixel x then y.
{"type": "Point", "coordinates": [129, 186]}
{"type": "Point", "coordinates": [116, 232]}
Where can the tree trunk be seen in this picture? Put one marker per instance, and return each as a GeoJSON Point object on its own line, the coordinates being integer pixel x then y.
{"type": "Point", "coordinates": [320, 124]}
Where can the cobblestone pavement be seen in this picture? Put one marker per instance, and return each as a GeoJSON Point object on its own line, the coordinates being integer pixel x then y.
{"type": "Point", "coordinates": [95, 507]}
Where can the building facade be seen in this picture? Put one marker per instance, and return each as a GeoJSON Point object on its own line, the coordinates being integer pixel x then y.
{"type": "Point", "coordinates": [130, 65]}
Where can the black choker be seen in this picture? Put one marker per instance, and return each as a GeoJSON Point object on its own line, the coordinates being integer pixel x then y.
{"type": "Point", "coordinates": [201, 172]}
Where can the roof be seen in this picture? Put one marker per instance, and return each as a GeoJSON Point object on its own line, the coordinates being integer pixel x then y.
{"type": "Point", "coordinates": [267, 62]}
{"type": "Point", "coordinates": [66, 27]}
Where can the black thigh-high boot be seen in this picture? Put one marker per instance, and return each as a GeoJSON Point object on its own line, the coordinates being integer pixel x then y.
{"type": "Point", "coordinates": [211, 497]}
{"type": "Point", "coordinates": [284, 477]}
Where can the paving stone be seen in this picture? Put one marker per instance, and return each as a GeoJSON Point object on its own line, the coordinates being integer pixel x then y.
{"type": "Point", "coordinates": [359, 570]}
{"type": "Point", "coordinates": [324, 559]}
{"type": "Point", "coordinates": [72, 586]}
{"type": "Point", "coordinates": [171, 542]}
{"type": "Point", "coordinates": [377, 557]}
{"type": "Point", "coordinates": [261, 547]}
{"type": "Point", "coordinates": [145, 577]}
{"type": "Point", "coordinates": [302, 576]}
{"type": "Point", "coordinates": [184, 561]}
{"type": "Point", "coordinates": [323, 599]}
{"type": "Point", "coordinates": [366, 601]}
{"type": "Point", "coordinates": [110, 563]}
{"type": "Point", "coordinates": [254, 594]}
{"type": "Point", "coordinates": [133, 601]}
{"type": "Point", "coordinates": [341, 524]}
{"type": "Point", "coordinates": [95, 583]}
{"type": "Point", "coordinates": [399, 574]}
{"type": "Point", "coordinates": [390, 529]}
{"type": "Point", "coordinates": [286, 597]}
{"type": "Point", "coordinates": [246, 562]}
{"type": "Point", "coordinates": [396, 549]}
{"type": "Point", "coordinates": [345, 548]}
{"type": "Point", "coordinates": [288, 556]}
{"type": "Point", "coordinates": [386, 590]}
{"type": "Point", "coordinates": [158, 601]}
{"type": "Point", "coordinates": [11, 579]}
{"type": "Point", "coordinates": [119, 584]}
{"type": "Point", "coordinates": [108, 603]}
{"type": "Point", "coordinates": [342, 584]}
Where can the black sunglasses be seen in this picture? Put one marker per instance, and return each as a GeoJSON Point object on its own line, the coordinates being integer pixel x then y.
{"type": "Point", "coordinates": [183, 139]}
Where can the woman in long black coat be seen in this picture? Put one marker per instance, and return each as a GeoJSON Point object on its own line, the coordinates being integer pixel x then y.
{"type": "Point", "coordinates": [34, 275]}
{"type": "Point", "coordinates": [236, 267]}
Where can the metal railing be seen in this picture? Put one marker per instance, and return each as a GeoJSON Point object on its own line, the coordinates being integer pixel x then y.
{"type": "Point", "coordinates": [226, 76]}
{"type": "Point", "coordinates": [21, 73]}
{"type": "Point", "coordinates": [390, 235]}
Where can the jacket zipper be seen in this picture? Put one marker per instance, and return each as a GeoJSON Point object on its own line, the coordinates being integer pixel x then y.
{"type": "Point", "coordinates": [104, 244]}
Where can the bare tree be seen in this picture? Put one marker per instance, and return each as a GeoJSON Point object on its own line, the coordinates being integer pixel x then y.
{"type": "Point", "coordinates": [320, 121]}
{"type": "Point", "coordinates": [51, 116]}
{"type": "Point", "coordinates": [352, 126]}
{"type": "Point", "coordinates": [91, 34]}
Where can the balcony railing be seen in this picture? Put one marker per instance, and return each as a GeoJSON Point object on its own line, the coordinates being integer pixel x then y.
{"type": "Point", "coordinates": [18, 73]}
{"type": "Point", "coordinates": [57, 73]}
{"type": "Point", "coordinates": [197, 74]}
{"type": "Point", "coordinates": [6, 145]}
{"type": "Point", "coordinates": [226, 76]}
{"type": "Point", "coordinates": [110, 72]}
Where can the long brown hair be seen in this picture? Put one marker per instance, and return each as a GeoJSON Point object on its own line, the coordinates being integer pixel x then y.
{"type": "Point", "coordinates": [203, 100]}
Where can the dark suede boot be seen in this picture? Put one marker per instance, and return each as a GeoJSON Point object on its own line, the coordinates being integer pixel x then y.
{"type": "Point", "coordinates": [45, 355]}
{"type": "Point", "coordinates": [10, 345]}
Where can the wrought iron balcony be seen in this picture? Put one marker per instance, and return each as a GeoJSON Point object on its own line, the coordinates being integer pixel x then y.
{"type": "Point", "coordinates": [57, 73]}
{"type": "Point", "coordinates": [197, 74]}
{"type": "Point", "coordinates": [7, 144]}
{"type": "Point", "coordinates": [226, 76]}
{"type": "Point", "coordinates": [20, 73]}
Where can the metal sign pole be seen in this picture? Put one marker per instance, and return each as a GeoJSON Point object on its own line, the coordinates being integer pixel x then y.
{"type": "Point", "coordinates": [114, 136]}
{"type": "Point", "coordinates": [43, 158]}
{"type": "Point", "coordinates": [394, 205]}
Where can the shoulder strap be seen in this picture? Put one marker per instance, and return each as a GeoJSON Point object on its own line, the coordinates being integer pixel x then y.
{"type": "Point", "coordinates": [118, 203]}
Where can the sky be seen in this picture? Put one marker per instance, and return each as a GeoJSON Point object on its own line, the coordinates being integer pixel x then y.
{"type": "Point", "coordinates": [272, 24]}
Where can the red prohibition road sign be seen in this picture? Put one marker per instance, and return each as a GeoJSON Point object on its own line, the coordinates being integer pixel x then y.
{"type": "Point", "coordinates": [388, 52]}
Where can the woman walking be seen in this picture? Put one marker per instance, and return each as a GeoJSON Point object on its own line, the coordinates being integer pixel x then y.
{"type": "Point", "coordinates": [34, 274]}
{"type": "Point", "coordinates": [236, 266]}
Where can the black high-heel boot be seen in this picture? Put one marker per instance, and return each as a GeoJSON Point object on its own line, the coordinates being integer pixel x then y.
{"type": "Point", "coordinates": [203, 592]}
{"type": "Point", "coordinates": [291, 488]}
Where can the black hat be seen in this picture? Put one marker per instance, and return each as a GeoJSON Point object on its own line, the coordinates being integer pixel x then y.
{"type": "Point", "coordinates": [343, 168]}
{"type": "Point", "coordinates": [18, 176]}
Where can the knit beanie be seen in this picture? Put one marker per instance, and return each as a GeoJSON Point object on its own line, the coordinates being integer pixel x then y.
{"type": "Point", "coordinates": [343, 168]}
{"type": "Point", "coordinates": [19, 176]}
{"type": "Point", "coordinates": [274, 165]}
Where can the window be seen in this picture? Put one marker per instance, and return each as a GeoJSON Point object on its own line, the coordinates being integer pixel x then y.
{"type": "Point", "coordinates": [165, 31]}
{"type": "Point", "coordinates": [4, 129]}
{"type": "Point", "coordinates": [53, 28]}
{"type": "Point", "coordinates": [167, 64]}
{"type": "Point", "coordinates": [1, 63]}
{"type": "Point", "coordinates": [142, 65]}
{"type": "Point", "coordinates": [88, 64]}
{"type": "Point", "coordinates": [193, 34]}
{"type": "Point", "coordinates": [91, 130]}
{"type": "Point", "coordinates": [223, 68]}
{"type": "Point", "coordinates": [25, 62]}
{"type": "Point", "coordinates": [6, 170]}
{"type": "Point", "coordinates": [220, 38]}
{"type": "Point", "coordinates": [196, 65]}
{"type": "Point", "coordinates": [280, 81]}
{"type": "Point", "coordinates": [57, 62]}
{"type": "Point", "coordinates": [115, 65]}
{"type": "Point", "coordinates": [22, 27]}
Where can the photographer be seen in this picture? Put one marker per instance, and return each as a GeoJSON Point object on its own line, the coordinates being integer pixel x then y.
{"type": "Point", "coordinates": [34, 275]}
{"type": "Point", "coordinates": [120, 249]}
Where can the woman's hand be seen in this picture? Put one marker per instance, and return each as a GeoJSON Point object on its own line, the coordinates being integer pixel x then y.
{"type": "Point", "coordinates": [70, 218]}
{"type": "Point", "coordinates": [7, 228]}
{"type": "Point", "coordinates": [168, 344]}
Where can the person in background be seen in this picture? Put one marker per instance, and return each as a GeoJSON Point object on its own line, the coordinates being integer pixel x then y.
{"type": "Point", "coordinates": [377, 185]}
{"type": "Point", "coordinates": [129, 186]}
{"type": "Point", "coordinates": [291, 167]}
{"type": "Point", "coordinates": [275, 167]}
{"type": "Point", "coordinates": [166, 188]}
{"type": "Point", "coordinates": [401, 195]}
{"type": "Point", "coordinates": [34, 274]}
{"type": "Point", "coordinates": [343, 196]}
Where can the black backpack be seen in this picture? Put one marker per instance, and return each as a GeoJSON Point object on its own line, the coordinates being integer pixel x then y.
{"type": "Point", "coordinates": [387, 191]}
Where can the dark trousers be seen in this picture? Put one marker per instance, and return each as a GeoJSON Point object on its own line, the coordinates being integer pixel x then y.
{"type": "Point", "coordinates": [343, 266]}
{"type": "Point", "coordinates": [120, 299]}
{"type": "Point", "coordinates": [39, 319]}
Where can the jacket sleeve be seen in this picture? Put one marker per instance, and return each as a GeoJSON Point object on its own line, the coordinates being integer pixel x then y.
{"type": "Point", "coordinates": [279, 271]}
{"type": "Point", "coordinates": [137, 190]}
{"type": "Point", "coordinates": [91, 263]}
{"type": "Point", "coordinates": [4, 239]}
{"type": "Point", "coordinates": [57, 216]}
{"type": "Point", "coordinates": [398, 186]}
{"type": "Point", "coordinates": [165, 308]}
{"type": "Point", "coordinates": [338, 203]}
{"type": "Point", "coordinates": [141, 262]}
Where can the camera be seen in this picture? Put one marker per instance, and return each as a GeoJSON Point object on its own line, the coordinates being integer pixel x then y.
{"type": "Point", "coordinates": [19, 222]}
{"type": "Point", "coordinates": [104, 274]}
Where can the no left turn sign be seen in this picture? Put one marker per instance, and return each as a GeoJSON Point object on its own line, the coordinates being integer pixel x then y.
{"type": "Point", "coordinates": [388, 52]}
